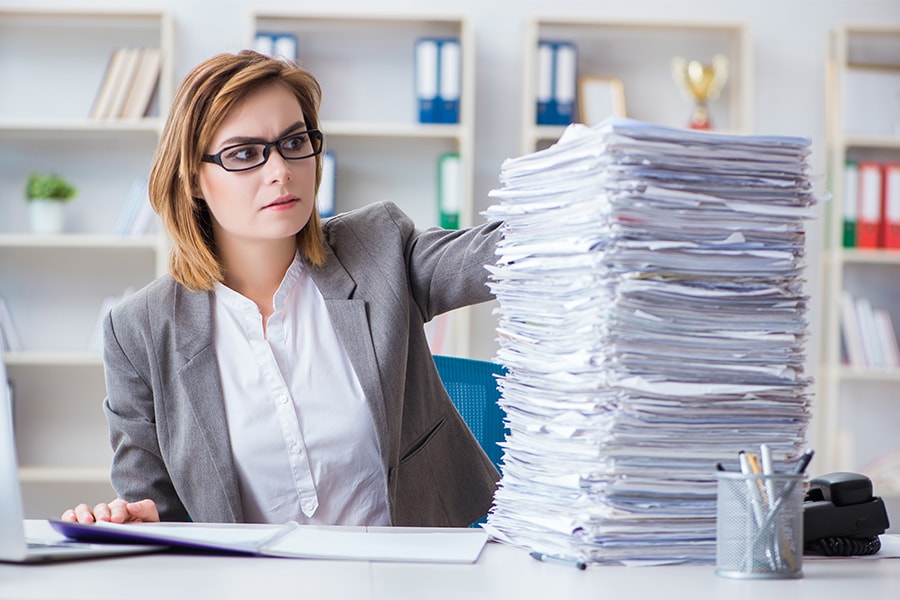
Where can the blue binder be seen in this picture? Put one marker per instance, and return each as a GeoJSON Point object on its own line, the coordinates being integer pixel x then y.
{"type": "Point", "coordinates": [325, 195]}
{"type": "Point", "coordinates": [438, 70]}
{"type": "Point", "coordinates": [556, 82]}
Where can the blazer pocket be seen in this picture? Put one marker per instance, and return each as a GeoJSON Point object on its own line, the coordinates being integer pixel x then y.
{"type": "Point", "coordinates": [421, 441]}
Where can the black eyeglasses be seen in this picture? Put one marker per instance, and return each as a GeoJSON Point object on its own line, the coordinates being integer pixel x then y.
{"type": "Point", "coordinates": [243, 157]}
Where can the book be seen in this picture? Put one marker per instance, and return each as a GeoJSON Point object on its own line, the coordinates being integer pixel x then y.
{"type": "Point", "coordinates": [9, 335]}
{"type": "Point", "coordinates": [868, 216]}
{"type": "Point", "coordinates": [291, 540]}
{"type": "Point", "coordinates": [109, 85]}
{"type": "Point", "coordinates": [144, 84]}
{"type": "Point", "coordinates": [449, 189]}
{"type": "Point", "coordinates": [890, 232]}
{"type": "Point", "coordinates": [325, 195]}
{"type": "Point", "coordinates": [851, 199]}
{"type": "Point", "coordinates": [887, 337]}
{"type": "Point", "coordinates": [136, 213]}
{"type": "Point", "coordinates": [869, 333]}
{"type": "Point", "coordinates": [131, 61]}
{"type": "Point", "coordinates": [850, 330]}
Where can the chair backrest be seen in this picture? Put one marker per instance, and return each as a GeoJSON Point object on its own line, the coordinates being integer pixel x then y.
{"type": "Point", "coordinates": [472, 385]}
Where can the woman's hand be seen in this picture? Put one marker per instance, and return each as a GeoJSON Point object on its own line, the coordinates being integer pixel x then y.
{"type": "Point", "coordinates": [117, 511]}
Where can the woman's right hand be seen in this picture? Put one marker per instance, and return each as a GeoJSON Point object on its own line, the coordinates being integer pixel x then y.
{"type": "Point", "coordinates": [117, 511]}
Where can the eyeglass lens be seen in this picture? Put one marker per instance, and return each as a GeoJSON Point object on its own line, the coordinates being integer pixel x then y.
{"type": "Point", "coordinates": [292, 147]}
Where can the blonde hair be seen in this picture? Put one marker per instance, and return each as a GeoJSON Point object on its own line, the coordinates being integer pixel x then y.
{"type": "Point", "coordinates": [202, 102]}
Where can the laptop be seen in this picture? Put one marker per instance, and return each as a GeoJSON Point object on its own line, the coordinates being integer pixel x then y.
{"type": "Point", "coordinates": [14, 547]}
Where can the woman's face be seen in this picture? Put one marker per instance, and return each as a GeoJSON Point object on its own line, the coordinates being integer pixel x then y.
{"type": "Point", "coordinates": [274, 200]}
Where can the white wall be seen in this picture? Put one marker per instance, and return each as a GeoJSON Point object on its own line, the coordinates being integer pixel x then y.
{"type": "Point", "coordinates": [788, 39]}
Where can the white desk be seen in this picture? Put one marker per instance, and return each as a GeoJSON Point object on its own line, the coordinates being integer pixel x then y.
{"type": "Point", "coordinates": [501, 572]}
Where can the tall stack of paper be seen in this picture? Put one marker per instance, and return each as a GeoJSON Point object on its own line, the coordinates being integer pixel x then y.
{"type": "Point", "coordinates": [652, 321]}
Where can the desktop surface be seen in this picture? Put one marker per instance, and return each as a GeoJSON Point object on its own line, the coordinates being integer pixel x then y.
{"type": "Point", "coordinates": [501, 572]}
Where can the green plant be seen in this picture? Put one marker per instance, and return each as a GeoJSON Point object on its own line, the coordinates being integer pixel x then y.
{"type": "Point", "coordinates": [48, 186]}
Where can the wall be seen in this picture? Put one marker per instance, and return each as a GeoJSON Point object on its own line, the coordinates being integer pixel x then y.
{"type": "Point", "coordinates": [789, 45]}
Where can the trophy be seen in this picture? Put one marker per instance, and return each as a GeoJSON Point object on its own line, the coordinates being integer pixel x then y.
{"type": "Point", "coordinates": [701, 83]}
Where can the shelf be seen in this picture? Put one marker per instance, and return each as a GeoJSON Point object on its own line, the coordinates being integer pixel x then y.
{"type": "Point", "coordinates": [81, 126]}
{"type": "Point", "coordinates": [856, 406]}
{"type": "Point", "coordinates": [390, 130]}
{"type": "Point", "coordinates": [52, 359]}
{"type": "Point", "coordinates": [74, 241]}
{"type": "Point", "coordinates": [76, 475]}
{"type": "Point", "coordinates": [639, 53]}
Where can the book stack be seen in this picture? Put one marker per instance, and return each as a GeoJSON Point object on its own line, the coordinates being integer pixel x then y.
{"type": "Point", "coordinates": [653, 324]}
{"type": "Point", "coordinates": [127, 89]}
{"type": "Point", "coordinates": [136, 217]}
{"type": "Point", "coordinates": [867, 334]}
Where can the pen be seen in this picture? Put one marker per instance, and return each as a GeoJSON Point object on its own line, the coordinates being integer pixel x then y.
{"type": "Point", "coordinates": [803, 462]}
{"type": "Point", "coordinates": [578, 564]}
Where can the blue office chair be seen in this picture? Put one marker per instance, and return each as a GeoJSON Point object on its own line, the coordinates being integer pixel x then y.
{"type": "Point", "coordinates": [472, 385]}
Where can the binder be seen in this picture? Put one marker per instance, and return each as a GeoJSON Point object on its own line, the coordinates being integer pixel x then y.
{"type": "Point", "coordinates": [544, 83]}
{"type": "Point", "coordinates": [427, 79]}
{"type": "Point", "coordinates": [449, 189]}
{"type": "Point", "coordinates": [565, 82]}
{"type": "Point", "coordinates": [557, 82]}
{"type": "Point", "coordinates": [891, 209]}
{"type": "Point", "coordinates": [277, 45]}
{"type": "Point", "coordinates": [325, 195]}
{"type": "Point", "coordinates": [868, 224]}
{"type": "Point", "coordinates": [851, 199]}
{"type": "Point", "coordinates": [449, 72]}
{"type": "Point", "coordinates": [285, 46]}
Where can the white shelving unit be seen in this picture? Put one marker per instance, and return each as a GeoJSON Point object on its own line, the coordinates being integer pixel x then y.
{"type": "Point", "coordinates": [640, 54]}
{"type": "Point", "coordinates": [52, 63]}
{"type": "Point", "coordinates": [382, 151]}
{"type": "Point", "coordinates": [858, 407]}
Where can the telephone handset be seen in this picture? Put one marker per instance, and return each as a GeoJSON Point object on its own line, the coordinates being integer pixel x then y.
{"type": "Point", "coordinates": [841, 517]}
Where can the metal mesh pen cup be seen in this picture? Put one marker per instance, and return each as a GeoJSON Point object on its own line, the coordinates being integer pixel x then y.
{"type": "Point", "coordinates": [759, 526]}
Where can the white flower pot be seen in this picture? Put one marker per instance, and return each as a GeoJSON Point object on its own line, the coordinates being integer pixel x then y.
{"type": "Point", "coordinates": [46, 216]}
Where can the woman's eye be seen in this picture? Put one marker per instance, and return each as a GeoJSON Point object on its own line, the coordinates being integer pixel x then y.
{"type": "Point", "coordinates": [296, 142]}
{"type": "Point", "coordinates": [244, 154]}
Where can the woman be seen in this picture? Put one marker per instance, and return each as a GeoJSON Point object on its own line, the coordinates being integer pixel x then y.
{"type": "Point", "coordinates": [281, 371]}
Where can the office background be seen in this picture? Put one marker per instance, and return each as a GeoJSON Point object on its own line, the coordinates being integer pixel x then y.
{"type": "Point", "coordinates": [788, 45]}
{"type": "Point", "coordinates": [788, 42]}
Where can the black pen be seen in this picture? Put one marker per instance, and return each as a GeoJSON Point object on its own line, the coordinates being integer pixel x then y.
{"type": "Point", "coordinates": [803, 462]}
{"type": "Point", "coordinates": [559, 559]}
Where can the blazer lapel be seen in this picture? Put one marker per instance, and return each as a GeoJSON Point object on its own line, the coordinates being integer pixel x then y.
{"type": "Point", "coordinates": [200, 413]}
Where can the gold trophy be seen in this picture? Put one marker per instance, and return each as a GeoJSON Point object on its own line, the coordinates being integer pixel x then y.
{"type": "Point", "coordinates": [701, 83]}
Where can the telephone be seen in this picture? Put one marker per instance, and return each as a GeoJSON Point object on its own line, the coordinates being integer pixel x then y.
{"type": "Point", "coordinates": [841, 517]}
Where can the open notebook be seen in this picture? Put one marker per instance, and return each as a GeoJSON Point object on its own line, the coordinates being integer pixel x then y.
{"type": "Point", "coordinates": [394, 544]}
{"type": "Point", "coordinates": [14, 547]}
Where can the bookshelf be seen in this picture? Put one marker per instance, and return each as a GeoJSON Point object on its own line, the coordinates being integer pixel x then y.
{"type": "Point", "coordinates": [857, 404]}
{"type": "Point", "coordinates": [54, 62]}
{"type": "Point", "coordinates": [639, 53]}
{"type": "Point", "coordinates": [381, 150]}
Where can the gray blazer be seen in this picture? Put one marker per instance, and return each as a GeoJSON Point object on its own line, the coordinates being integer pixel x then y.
{"type": "Point", "coordinates": [382, 281]}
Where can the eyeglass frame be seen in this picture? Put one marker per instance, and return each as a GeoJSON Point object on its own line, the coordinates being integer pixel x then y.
{"type": "Point", "coordinates": [216, 158]}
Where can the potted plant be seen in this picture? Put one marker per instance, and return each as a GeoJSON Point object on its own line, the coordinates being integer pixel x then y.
{"type": "Point", "coordinates": [46, 193]}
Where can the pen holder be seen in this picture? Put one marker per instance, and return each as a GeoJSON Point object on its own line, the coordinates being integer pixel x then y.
{"type": "Point", "coordinates": [759, 526]}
